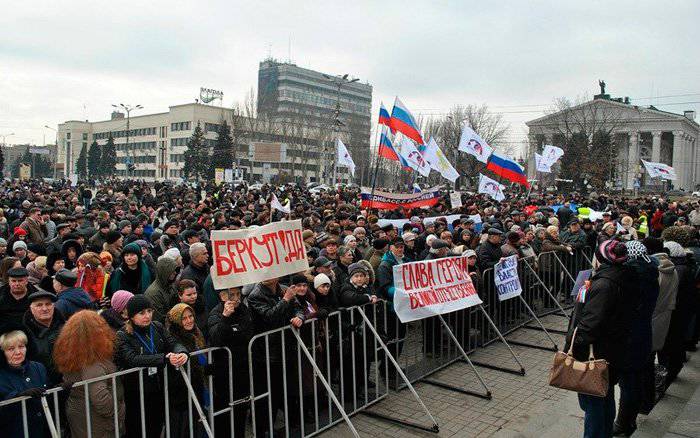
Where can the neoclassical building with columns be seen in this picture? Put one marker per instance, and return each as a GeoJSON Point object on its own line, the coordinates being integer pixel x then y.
{"type": "Point", "coordinates": [640, 133]}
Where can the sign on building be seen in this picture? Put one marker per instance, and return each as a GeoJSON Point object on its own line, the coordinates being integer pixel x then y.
{"type": "Point", "coordinates": [269, 152]}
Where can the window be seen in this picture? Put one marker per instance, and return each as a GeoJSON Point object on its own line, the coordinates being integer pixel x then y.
{"type": "Point", "coordinates": [68, 135]}
{"type": "Point", "coordinates": [177, 158]}
{"type": "Point", "coordinates": [181, 126]}
{"type": "Point", "coordinates": [84, 135]}
{"type": "Point", "coordinates": [179, 141]}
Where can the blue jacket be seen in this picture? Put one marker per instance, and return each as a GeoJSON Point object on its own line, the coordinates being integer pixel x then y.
{"type": "Point", "coordinates": [72, 300]}
{"type": "Point", "coordinates": [12, 382]}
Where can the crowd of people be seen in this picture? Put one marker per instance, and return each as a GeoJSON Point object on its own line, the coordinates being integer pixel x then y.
{"type": "Point", "coordinates": [117, 277]}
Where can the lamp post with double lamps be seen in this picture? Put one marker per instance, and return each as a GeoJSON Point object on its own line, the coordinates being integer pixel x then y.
{"type": "Point", "coordinates": [129, 108]}
{"type": "Point", "coordinates": [338, 81]}
{"type": "Point", "coordinates": [2, 171]}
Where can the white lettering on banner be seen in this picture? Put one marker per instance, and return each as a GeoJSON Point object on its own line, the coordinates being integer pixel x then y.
{"type": "Point", "coordinates": [506, 278]}
{"type": "Point", "coordinates": [254, 255]}
{"type": "Point", "coordinates": [432, 287]}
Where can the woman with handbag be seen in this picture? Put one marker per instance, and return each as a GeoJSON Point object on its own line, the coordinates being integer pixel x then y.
{"type": "Point", "coordinates": [599, 330]}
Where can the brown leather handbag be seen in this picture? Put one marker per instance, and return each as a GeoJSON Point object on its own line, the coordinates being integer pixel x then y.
{"type": "Point", "coordinates": [589, 377]}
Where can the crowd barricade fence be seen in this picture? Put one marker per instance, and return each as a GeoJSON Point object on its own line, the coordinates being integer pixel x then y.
{"type": "Point", "coordinates": [329, 370]}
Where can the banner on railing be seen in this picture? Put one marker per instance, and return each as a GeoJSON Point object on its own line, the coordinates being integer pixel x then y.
{"type": "Point", "coordinates": [506, 278]}
{"type": "Point", "coordinates": [432, 287]}
{"type": "Point", "coordinates": [257, 254]}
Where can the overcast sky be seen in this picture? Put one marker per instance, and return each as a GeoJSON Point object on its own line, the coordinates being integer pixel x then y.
{"type": "Point", "coordinates": [73, 59]}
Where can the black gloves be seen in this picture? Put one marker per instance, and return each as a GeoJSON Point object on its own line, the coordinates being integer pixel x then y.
{"type": "Point", "coordinates": [32, 392]}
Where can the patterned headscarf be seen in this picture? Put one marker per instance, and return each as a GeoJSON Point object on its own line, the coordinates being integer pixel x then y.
{"type": "Point", "coordinates": [636, 249]}
{"type": "Point", "coordinates": [674, 249]}
{"type": "Point", "coordinates": [611, 252]}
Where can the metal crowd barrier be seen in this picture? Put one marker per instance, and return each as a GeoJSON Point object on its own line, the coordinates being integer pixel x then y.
{"type": "Point", "coordinates": [329, 370]}
{"type": "Point", "coordinates": [198, 422]}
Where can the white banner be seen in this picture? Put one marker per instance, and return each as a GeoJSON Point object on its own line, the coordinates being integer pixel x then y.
{"type": "Point", "coordinates": [218, 175]}
{"type": "Point", "coordinates": [228, 175]}
{"type": "Point", "coordinates": [456, 199]}
{"type": "Point", "coordinates": [471, 143]}
{"type": "Point", "coordinates": [506, 278]}
{"type": "Point", "coordinates": [432, 287]}
{"type": "Point", "coordinates": [491, 187]}
{"type": "Point", "coordinates": [257, 254]}
{"type": "Point", "coordinates": [399, 223]}
{"type": "Point", "coordinates": [344, 158]}
{"type": "Point", "coordinates": [659, 170]}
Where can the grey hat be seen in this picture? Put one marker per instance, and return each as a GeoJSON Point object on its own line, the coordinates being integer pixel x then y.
{"type": "Point", "coordinates": [66, 277]}
{"type": "Point", "coordinates": [3, 242]}
{"type": "Point", "coordinates": [41, 293]}
{"type": "Point", "coordinates": [357, 267]}
{"type": "Point", "coordinates": [438, 244]}
{"type": "Point", "coordinates": [494, 231]}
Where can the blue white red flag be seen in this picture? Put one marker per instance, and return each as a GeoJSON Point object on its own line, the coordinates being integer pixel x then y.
{"type": "Point", "coordinates": [384, 117]}
{"type": "Point", "coordinates": [386, 149]}
{"type": "Point", "coordinates": [507, 168]}
{"type": "Point", "coordinates": [403, 121]}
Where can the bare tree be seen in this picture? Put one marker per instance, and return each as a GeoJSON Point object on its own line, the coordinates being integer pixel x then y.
{"type": "Point", "coordinates": [584, 129]}
{"type": "Point", "coordinates": [446, 131]}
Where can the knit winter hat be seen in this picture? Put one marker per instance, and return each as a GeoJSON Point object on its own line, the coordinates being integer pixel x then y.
{"type": "Point", "coordinates": [138, 303]}
{"type": "Point", "coordinates": [349, 238]}
{"type": "Point", "coordinates": [636, 249]}
{"type": "Point", "coordinates": [171, 253]}
{"type": "Point", "coordinates": [611, 252]}
{"type": "Point", "coordinates": [356, 267]}
{"type": "Point", "coordinates": [321, 279]}
{"type": "Point", "coordinates": [120, 300]}
{"type": "Point", "coordinates": [675, 249]}
{"type": "Point", "coordinates": [19, 244]}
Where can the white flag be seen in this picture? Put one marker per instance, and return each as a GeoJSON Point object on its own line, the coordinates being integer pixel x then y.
{"type": "Point", "coordinates": [551, 154]}
{"type": "Point", "coordinates": [471, 143]}
{"type": "Point", "coordinates": [659, 170]}
{"type": "Point", "coordinates": [541, 164]}
{"type": "Point", "coordinates": [344, 158]}
{"type": "Point", "coordinates": [277, 205]}
{"type": "Point", "coordinates": [438, 161]}
{"type": "Point", "coordinates": [491, 187]}
{"type": "Point", "coordinates": [413, 157]}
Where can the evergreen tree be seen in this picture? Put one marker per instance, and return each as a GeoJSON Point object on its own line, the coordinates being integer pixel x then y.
{"type": "Point", "coordinates": [42, 166]}
{"type": "Point", "coordinates": [108, 161]}
{"type": "Point", "coordinates": [81, 164]}
{"type": "Point", "coordinates": [93, 160]}
{"type": "Point", "coordinates": [196, 156]}
{"type": "Point", "coordinates": [221, 155]}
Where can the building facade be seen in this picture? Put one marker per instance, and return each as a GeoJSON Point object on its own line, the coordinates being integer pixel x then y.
{"type": "Point", "coordinates": [157, 144]}
{"type": "Point", "coordinates": [286, 91]}
{"type": "Point", "coordinates": [639, 133]}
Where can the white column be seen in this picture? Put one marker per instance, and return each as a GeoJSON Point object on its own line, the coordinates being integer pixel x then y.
{"type": "Point", "coordinates": [688, 162]}
{"type": "Point", "coordinates": [633, 159]}
{"type": "Point", "coordinates": [678, 158]}
{"type": "Point", "coordinates": [656, 146]}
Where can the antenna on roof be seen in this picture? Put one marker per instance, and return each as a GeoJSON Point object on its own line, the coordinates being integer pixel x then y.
{"type": "Point", "coordinates": [289, 48]}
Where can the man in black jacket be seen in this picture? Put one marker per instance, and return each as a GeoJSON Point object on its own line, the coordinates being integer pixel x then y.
{"type": "Point", "coordinates": [602, 319]}
{"type": "Point", "coordinates": [43, 324]}
{"type": "Point", "coordinates": [489, 252]}
{"type": "Point", "coordinates": [230, 325]}
{"type": "Point", "coordinates": [271, 308]}
{"type": "Point", "coordinates": [14, 298]}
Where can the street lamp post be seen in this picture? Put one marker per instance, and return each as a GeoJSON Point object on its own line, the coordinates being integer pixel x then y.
{"type": "Point", "coordinates": [129, 109]}
{"type": "Point", "coordinates": [56, 156]}
{"type": "Point", "coordinates": [2, 171]}
{"type": "Point", "coordinates": [338, 81]}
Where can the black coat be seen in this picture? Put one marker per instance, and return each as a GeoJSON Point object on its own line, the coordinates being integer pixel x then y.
{"type": "Point", "coordinates": [11, 310]}
{"type": "Point", "coordinates": [130, 353]}
{"type": "Point", "coordinates": [269, 311]}
{"type": "Point", "coordinates": [234, 332]}
{"type": "Point", "coordinates": [351, 295]}
{"type": "Point", "coordinates": [488, 254]}
{"type": "Point", "coordinates": [604, 319]}
{"type": "Point", "coordinates": [643, 285]}
{"type": "Point", "coordinates": [44, 339]}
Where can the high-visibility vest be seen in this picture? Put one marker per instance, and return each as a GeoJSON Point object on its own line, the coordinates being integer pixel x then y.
{"type": "Point", "coordinates": [584, 212]}
{"type": "Point", "coordinates": [643, 225]}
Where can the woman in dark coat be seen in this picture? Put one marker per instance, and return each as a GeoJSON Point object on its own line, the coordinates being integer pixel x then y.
{"type": "Point", "coordinates": [672, 355]}
{"type": "Point", "coordinates": [180, 323]}
{"type": "Point", "coordinates": [644, 286]}
{"type": "Point", "coordinates": [601, 319]}
{"type": "Point", "coordinates": [143, 342]}
{"type": "Point", "coordinates": [132, 275]}
{"type": "Point", "coordinates": [20, 377]}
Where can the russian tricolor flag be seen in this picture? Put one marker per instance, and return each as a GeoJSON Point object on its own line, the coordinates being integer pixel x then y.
{"type": "Point", "coordinates": [507, 168]}
{"type": "Point", "coordinates": [384, 117]}
{"type": "Point", "coordinates": [402, 120]}
{"type": "Point", "coordinates": [386, 150]}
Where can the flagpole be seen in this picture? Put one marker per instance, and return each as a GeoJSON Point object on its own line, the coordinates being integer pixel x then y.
{"type": "Point", "coordinates": [376, 167]}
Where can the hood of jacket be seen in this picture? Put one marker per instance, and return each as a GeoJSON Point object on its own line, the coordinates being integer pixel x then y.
{"type": "Point", "coordinates": [76, 296]}
{"type": "Point", "coordinates": [164, 269]}
{"type": "Point", "coordinates": [666, 266]}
